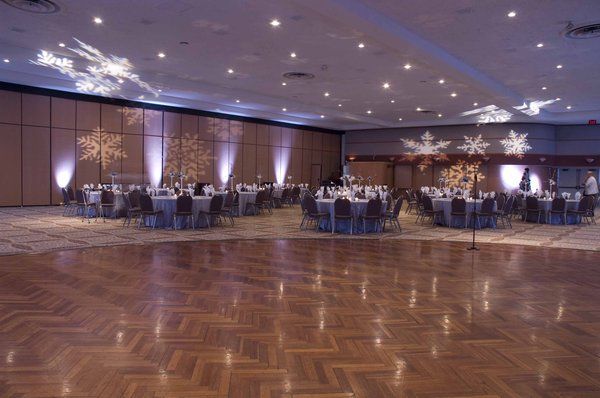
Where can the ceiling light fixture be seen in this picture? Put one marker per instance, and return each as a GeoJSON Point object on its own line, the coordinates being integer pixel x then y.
{"type": "Point", "coordinates": [558, 98]}
{"type": "Point", "coordinates": [399, 119]}
{"type": "Point", "coordinates": [160, 90]}
{"type": "Point", "coordinates": [568, 106]}
{"type": "Point", "coordinates": [453, 95]}
{"type": "Point", "coordinates": [274, 23]}
{"type": "Point", "coordinates": [293, 54]}
{"type": "Point", "coordinates": [97, 20]}
{"type": "Point", "coordinates": [386, 85]}
{"type": "Point", "coordinates": [322, 116]}
{"type": "Point", "coordinates": [237, 100]}
{"type": "Point", "coordinates": [441, 81]}
{"type": "Point", "coordinates": [559, 66]}
{"type": "Point", "coordinates": [326, 93]}
{"type": "Point", "coordinates": [440, 115]}
{"type": "Point", "coordinates": [392, 101]}
{"type": "Point", "coordinates": [161, 55]}
{"type": "Point", "coordinates": [6, 60]}
{"type": "Point", "coordinates": [230, 71]}
{"type": "Point", "coordinates": [369, 111]}
{"type": "Point", "coordinates": [361, 45]}
{"type": "Point", "coordinates": [407, 66]}
{"type": "Point", "coordinates": [284, 109]}
{"type": "Point", "coordinates": [418, 109]}
{"type": "Point", "coordinates": [61, 44]}
{"type": "Point", "coordinates": [475, 103]}
{"type": "Point", "coordinates": [141, 97]}
{"type": "Point", "coordinates": [540, 45]}
{"type": "Point", "coordinates": [283, 83]}
{"type": "Point", "coordinates": [544, 88]}
{"type": "Point", "coordinates": [512, 14]}
{"type": "Point", "coordinates": [339, 105]}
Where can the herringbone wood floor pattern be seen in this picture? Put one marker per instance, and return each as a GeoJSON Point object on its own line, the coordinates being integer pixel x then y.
{"type": "Point", "coordinates": [317, 318]}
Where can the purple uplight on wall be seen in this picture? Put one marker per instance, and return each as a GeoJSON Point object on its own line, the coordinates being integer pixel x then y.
{"type": "Point", "coordinates": [64, 173]}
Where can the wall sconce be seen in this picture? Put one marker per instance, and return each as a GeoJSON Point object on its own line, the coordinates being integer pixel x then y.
{"type": "Point", "coordinates": [542, 159]}
{"type": "Point", "coordinates": [590, 160]}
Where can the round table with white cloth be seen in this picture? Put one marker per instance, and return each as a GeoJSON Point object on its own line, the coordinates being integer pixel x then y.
{"type": "Point", "coordinates": [445, 204]}
{"type": "Point", "coordinates": [546, 205]}
{"type": "Point", "coordinates": [244, 198]}
{"type": "Point", "coordinates": [120, 207]}
{"type": "Point", "coordinates": [168, 204]}
{"type": "Point", "coordinates": [359, 207]}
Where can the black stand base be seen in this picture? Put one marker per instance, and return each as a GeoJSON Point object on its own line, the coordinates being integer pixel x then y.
{"type": "Point", "coordinates": [473, 248]}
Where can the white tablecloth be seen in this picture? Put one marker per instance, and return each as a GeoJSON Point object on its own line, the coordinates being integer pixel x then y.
{"type": "Point", "coordinates": [445, 204]}
{"type": "Point", "coordinates": [359, 208]}
{"type": "Point", "coordinates": [168, 204]}
{"type": "Point", "coordinates": [245, 198]}
{"type": "Point", "coordinates": [120, 207]}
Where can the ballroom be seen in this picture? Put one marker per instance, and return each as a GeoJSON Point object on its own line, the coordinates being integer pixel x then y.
{"type": "Point", "coordinates": [299, 198]}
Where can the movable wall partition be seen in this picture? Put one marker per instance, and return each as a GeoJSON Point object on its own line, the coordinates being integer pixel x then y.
{"type": "Point", "coordinates": [48, 142]}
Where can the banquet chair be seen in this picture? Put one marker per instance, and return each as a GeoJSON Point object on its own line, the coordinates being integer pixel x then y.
{"type": "Point", "coordinates": [500, 200]}
{"type": "Point", "coordinates": [284, 199]}
{"type": "Point", "coordinates": [458, 208]}
{"type": "Point", "coordinates": [83, 207]}
{"type": "Point", "coordinates": [314, 190]}
{"type": "Point", "coordinates": [504, 213]}
{"type": "Point", "coordinates": [486, 212]}
{"type": "Point", "coordinates": [262, 201]}
{"type": "Point", "coordinates": [147, 210]}
{"type": "Point", "coordinates": [532, 206]}
{"type": "Point", "coordinates": [428, 211]}
{"type": "Point", "coordinates": [591, 201]}
{"type": "Point", "coordinates": [214, 210]}
{"type": "Point", "coordinates": [235, 206]}
{"type": "Point", "coordinates": [559, 206]}
{"type": "Point", "coordinates": [313, 213]}
{"type": "Point", "coordinates": [294, 195]}
{"type": "Point", "coordinates": [183, 208]}
{"type": "Point", "coordinates": [107, 201]}
{"type": "Point", "coordinates": [372, 213]}
{"type": "Point", "coordinates": [304, 210]}
{"type": "Point", "coordinates": [411, 199]}
{"type": "Point", "coordinates": [70, 206]}
{"type": "Point", "coordinates": [392, 216]}
{"type": "Point", "coordinates": [582, 210]}
{"type": "Point", "coordinates": [327, 195]}
{"type": "Point", "coordinates": [227, 210]}
{"type": "Point", "coordinates": [132, 205]}
{"type": "Point", "coordinates": [342, 210]}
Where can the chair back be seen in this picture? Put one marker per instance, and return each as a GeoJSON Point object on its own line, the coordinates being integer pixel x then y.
{"type": "Point", "coordinates": [487, 206]}
{"type": "Point", "coordinates": [134, 198]}
{"type": "Point", "coordinates": [216, 203]}
{"type": "Point", "coordinates": [500, 200]}
{"type": "Point", "coordinates": [458, 205]}
{"type": "Point", "coordinates": [311, 204]}
{"type": "Point", "coordinates": [236, 198]}
{"type": "Point", "coordinates": [508, 205]}
{"type": "Point", "coordinates": [127, 200]}
{"type": "Point", "coordinates": [71, 193]}
{"type": "Point", "coordinates": [398, 206]}
{"type": "Point", "coordinates": [184, 204]}
{"type": "Point", "coordinates": [583, 203]}
{"type": "Point", "coordinates": [228, 202]}
{"type": "Point", "coordinates": [314, 190]}
{"type": "Point", "coordinates": [327, 195]}
{"type": "Point", "coordinates": [373, 208]}
{"type": "Point", "coordinates": [342, 207]}
{"type": "Point", "coordinates": [146, 203]}
{"type": "Point", "coordinates": [80, 197]}
{"type": "Point", "coordinates": [531, 203]}
{"type": "Point", "coordinates": [295, 192]}
{"type": "Point", "coordinates": [427, 203]}
{"type": "Point", "coordinates": [284, 194]}
{"type": "Point", "coordinates": [559, 204]}
{"type": "Point", "coordinates": [107, 198]}
{"type": "Point", "coordinates": [65, 195]}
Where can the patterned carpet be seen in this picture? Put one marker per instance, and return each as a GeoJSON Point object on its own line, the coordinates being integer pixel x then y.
{"type": "Point", "coordinates": [40, 229]}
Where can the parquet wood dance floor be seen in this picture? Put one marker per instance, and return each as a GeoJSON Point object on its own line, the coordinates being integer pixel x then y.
{"type": "Point", "coordinates": [287, 318]}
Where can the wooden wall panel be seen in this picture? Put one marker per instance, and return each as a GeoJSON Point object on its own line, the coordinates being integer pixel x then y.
{"type": "Point", "coordinates": [152, 160]}
{"type": "Point", "coordinates": [111, 118]}
{"type": "Point", "coordinates": [307, 139]}
{"type": "Point", "coordinates": [262, 134]}
{"type": "Point", "coordinates": [172, 124]}
{"type": "Point", "coordinates": [171, 157]}
{"type": "Point", "coordinates": [62, 143]}
{"type": "Point", "coordinates": [63, 113]}
{"type": "Point", "coordinates": [153, 121]}
{"type": "Point", "coordinates": [236, 131]}
{"type": "Point", "coordinates": [317, 139]}
{"type": "Point", "coordinates": [189, 126]}
{"type": "Point", "coordinates": [189, 160]}
{"type": "Point", "coordinates": [262, 162]}
{"type": "Point", "coordinates": [274, 135]}
{"type": "Point", "coordinates": [336, 141]}
{"type": "Point", "coordinates": [133, 120]}
{"type": "Point", "coordinates": [249, 164]}
{"type": "Point", "coordinates": [249, 133]}
{"type": "Point", "coordinates": [236, 154]}
{"type": "Point", "coordinates": [87, 115]}
{"type": "Point", "coordinates": [286, 137]}
{"type": "Point", "coordinates": [285, 164]}
{"type": "Point", "coordinates": [296, 138]}
{"type": "Point", "coordinates": [306, 162]}
{"type": "Point", "coordinates": [296, 168]}
{"type": "Point", "coordinates": [111, 158]}
{"type": "Point", "coordinates": [316, 157]}
{"type": "Point", "coordinates": [36, 164]}
{"type": "Point", "coordinates": [206, 128]}
{"type": "Point", "coordinates": [36, 110]}
{"type": "Point", "coordinates": [131, 165]}
{"type": "Point", "coordinates": [205, 160]}
{"type": "Point", "coordinates": [221, 130]}
{"type": "Point", "coordinates": [10, 163]}
{"type": "Point", "coordinates": [88, 158]}
{"type": "Point", "coordinates": [10, 107]}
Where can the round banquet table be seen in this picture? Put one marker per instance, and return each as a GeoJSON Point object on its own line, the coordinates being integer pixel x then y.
{"type": "Point", "coordinates": [445, 204]}
{"type": "Point", "coordinates": [120, 207]}
{"type": "Point", "coordinates": [546, 204]}
{"type": "Point", "coordinates": [244, 198]}
{"type": "Point", "coordinates": [168, 205]}
{"type": "Point", "coordinates": [359, 207]}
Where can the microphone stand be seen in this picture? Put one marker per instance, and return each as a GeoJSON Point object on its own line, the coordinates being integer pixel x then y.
{"type": "Point", "coordinates": [473, 247]}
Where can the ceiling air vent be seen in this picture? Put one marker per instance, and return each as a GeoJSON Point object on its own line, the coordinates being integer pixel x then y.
{"type": "Point", "coordinates": [298, 76]}
{"type": "Point", "coordinates": [426, 111]}
{"type": "Point", "coordinates": [34, 6]}
{"type": "Point", "coordinates": [588, 31]}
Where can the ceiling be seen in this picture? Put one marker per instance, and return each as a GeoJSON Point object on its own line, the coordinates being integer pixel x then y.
{"type": "Point", "coordinates": [483, 56]}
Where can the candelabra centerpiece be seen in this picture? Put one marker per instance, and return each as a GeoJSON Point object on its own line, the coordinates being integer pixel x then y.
{"type": "Point", "coordinates": [259, 177]}
{"type": "Point", "coordinates": [231, 179]}
{"type": "Point", "coordinates": [113, 174]}
{"type": "Point", "coordinates": [181, 176]}
{"type": "Point", "coordinates": [171, 176]}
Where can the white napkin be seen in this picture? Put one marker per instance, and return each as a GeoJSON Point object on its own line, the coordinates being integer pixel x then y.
{"type": "Point", "coordinates": [577, 195]}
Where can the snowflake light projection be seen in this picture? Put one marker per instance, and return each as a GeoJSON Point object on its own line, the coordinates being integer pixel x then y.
{"type": "Point", "coordinates": [133, 116]}
{"type": "Point", "coordinates": [515, 144]}
{"type": "Point", "coordinates": [455, 173]}
{"type": "Point", "coordinates": [425, 151]}
{"type": "Point", "coordinates": [474, 145]}
{"type": "Point", "coordinates": [192, 159]}
{"type": "Point", "coordinates": [224, 129]}
{"type": "Point", "coordinates": [533, 108]}
{"type": "Point", "coordinates": [101, 147]}
{"type": "Point", "coordinates": [204, 160]}
{"type": "Point", "coordinates": [103, 75]}
{"type": "Point", "coordinates": [489, 114]}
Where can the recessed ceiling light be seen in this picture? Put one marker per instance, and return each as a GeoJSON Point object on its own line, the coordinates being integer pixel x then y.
{"type": "Point", "coordinates": [568, 106]}
{"type": "Point", "coordinates": [407, 66]}
{"type": "Point", "coordinates": [293, 55]}
{"type": "Point", "coordinates": [361, 45]}
{"type": "Point", "coordinates": [399, 119]}
{"type": "Point", "coordinates": [558, 98]}
{"type": "Point", "coordinates": [326, 93]}
{"type": "Point", "coordinates": [512, 14]}
{"type": "Point", "coordinates": [160, 90]}
{"type": "Point", "coordinates": [544, 88]}
{"type": "Point", "coordinates": [274, 23]}
{"type": "Point", "coordinates": [559, 66]}
{"type": "Point", "coordinates": [340, 105]}
{"type": "Point", "coordinates": [161, 55]}
{"type": "Point", "coordinates": [475, 104]}
{"type": "Point", "coordinates": [322, 116]}
{"type": "Point", "coordinates": [141, 97]}
{"type": "Point", "coordinates": [441, 81]}
{"type": "Point", "coordinates": [418, 109]}
{"type": "Point", "coordinates": [97, 20]}
{"type": "Point", "coordinates": [6, 60]}
{"type": "Point", "coordinates": [540, 45]}
{"type": "Point", "coordinates": [453, 95]}
{"type": "Point", "coordinates": [121, 81]}
{"type": "Point", "coordinates": [237, 100]}
{"type": "Point", "coordinates": [61, 44]}
{"type": "Point", "coordinates": [369, 111]}
{"type": "Point", "coordinates": [284, 109]}
{"type": "Point", "coordinates": [386, 85]}
{"type": "Point", "coordinates": [230, 71]}
{"type": "Point", "coordinates": [283, 83]}
{"type": "Point", "coordinates": [392, 101]}
{"type": "Point", "coordinates": [440, 115]}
